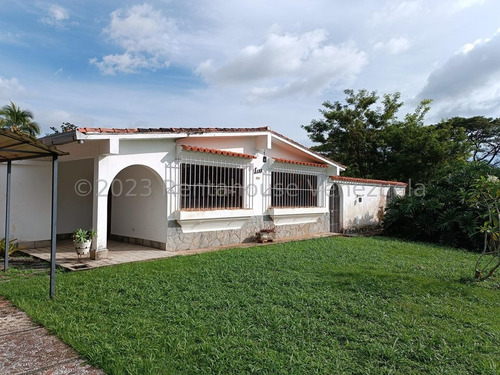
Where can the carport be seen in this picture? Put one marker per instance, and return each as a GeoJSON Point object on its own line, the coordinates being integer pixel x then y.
{"type": "Point", "coordinates": [14, 147]}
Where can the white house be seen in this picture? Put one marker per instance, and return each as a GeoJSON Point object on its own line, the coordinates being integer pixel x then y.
{"type": "Point", "coordinates": [185, 188]}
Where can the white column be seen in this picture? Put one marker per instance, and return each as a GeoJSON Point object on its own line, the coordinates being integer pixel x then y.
{"type": "Point", "coordinates": [100, 203]}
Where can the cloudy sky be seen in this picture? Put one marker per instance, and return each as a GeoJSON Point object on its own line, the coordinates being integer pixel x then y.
{"type": "Point", "coordinates": [243, 63]}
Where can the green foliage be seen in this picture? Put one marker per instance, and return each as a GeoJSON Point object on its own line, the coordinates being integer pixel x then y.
{"type": "Point", "coordinates": [441, 215]}
{"type": "Point", "coordinates": [13, 246]}
{"type": "Point", "coordinates": [374, 143]}
{"type": "Point", "coordinates": [81, 235]}
{"type": "Point", "coordinates": [483, 134]}
{"type": "Point", "coordinates": [325, 306]}
{"type": "Point", "coordinates": [65, 127]}
{"type": "Point", "coordinates": [485, 196]}
{"type": "Point", "coordinates": [350, 133]}
{"type": "Point", "coordinates": [18, 120]}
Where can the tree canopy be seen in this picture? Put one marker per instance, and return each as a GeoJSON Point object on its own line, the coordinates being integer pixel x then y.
{"type": "Point", "coordinates": [366, 134]}
{"type": "Point", "coordinates": [18, 120]}
{"type": "Point", "coordinates": [483, 135]}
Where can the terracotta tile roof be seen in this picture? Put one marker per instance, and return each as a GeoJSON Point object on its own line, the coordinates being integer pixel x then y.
{"type": "Point", "coordinates": [367, 181]}
{"type": "Point", "coordinates": [170, 130]}
{"type": "Point", "coordinates": [309, 164]}
{"type": "Point", "coordinates": [219, 152]}
{"type": "Point", "coordinates": [107, 130]}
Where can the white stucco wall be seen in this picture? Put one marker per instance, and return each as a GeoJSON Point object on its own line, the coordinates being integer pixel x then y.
{"type": "Point", "coordinates": [368, 212]}
{"type": "Point", "coordinates": [75, 195]}
{"type": "Point", "coordinates": [31, 194]}
{"type": "Point", "coordinates": [139, 205]}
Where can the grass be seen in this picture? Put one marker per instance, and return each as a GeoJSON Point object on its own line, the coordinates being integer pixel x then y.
{"type": "Point", "coordinates": [331, 305]}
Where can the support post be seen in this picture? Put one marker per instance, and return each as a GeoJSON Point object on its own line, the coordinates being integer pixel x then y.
{"type": "Point", "coordinates": [53, 227]}
{"type": "Point", "coordinates": [7, 216]}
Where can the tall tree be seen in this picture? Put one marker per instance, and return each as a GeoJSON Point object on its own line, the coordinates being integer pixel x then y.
{"type": "Point", "coordinates": [374, 143]}
{"type": "Point", "coordinates": [483, 134]}
{"type": "Point", "coordinates": [350, 133]}
{"type": "Point", "coordinates": [18, 120]}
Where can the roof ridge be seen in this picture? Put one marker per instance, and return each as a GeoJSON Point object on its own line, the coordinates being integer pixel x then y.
{"type": "Point", "coordinates": [368, 180]}
{"type": "Point", "coordinates": [217, 151]}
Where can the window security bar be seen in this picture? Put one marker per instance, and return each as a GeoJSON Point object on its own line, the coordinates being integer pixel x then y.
{"type": "Point", "coordinates": [208, 184]}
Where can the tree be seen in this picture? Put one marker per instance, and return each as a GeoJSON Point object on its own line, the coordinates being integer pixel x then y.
{"type": "Point", "coordinates": [483, 135]}
{"type": "Point", "coordinates": [418, 152]}
{"type": "Point", "coordinates": [485, 196]}
{"type": "Point", "coordinates": [350, 133]}
{"type": "Point", "coordinates": [65, 127]}
{"type": "Point", "coordinates": [18, 120]}
{"type": "Point", "coordinates": [374, 143]}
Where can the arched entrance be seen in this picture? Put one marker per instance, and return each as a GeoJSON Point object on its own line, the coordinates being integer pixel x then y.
{"type": "Point", "coordinates": [137, 207]}
{"type": "Point", "coordinates": [335, 209]}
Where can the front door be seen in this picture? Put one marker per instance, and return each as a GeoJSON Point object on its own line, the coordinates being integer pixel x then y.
{"type": "Point", "coordinates": [335, 209]}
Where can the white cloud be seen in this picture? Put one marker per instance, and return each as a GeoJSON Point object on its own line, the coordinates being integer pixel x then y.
{"type": "Point", "coordinates": [10, 88]}
{"type": "Point", "coordinates": [394, 46]}
{"type": "Point", "coordinates": [472, 67]}
{"type": "Point", "coordinates": [469, 81]}
{"type": "Point", "coordinates": [287, 64]}
{"type": "Point", "coordinates": [463, 4]}
{"type": "Point", "coordinates": [56, 16]}
{"type": "Point", "coordinates": [148, 38]}
{"type": "Point", "coordinates": [396, 10]}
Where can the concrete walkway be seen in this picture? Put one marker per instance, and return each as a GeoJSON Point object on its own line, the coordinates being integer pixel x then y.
{"type": "Point", "coordinates": [27, 348]}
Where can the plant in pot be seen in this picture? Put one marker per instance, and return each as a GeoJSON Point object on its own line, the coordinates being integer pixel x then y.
{"type": "Point", "coordinates": [266, 235]}
{"type": "Point", "coordinates": [82, 239]}
{"type": "Point", "coordinates": [13, 247]}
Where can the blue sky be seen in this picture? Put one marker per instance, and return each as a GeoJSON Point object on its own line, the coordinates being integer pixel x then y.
{"type": "Point", "coordinates": [244, 63]}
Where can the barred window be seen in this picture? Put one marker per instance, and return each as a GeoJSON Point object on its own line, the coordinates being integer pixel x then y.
{"type": "Point", "coordinates": [205, 186]}
{"type": "Point", "coordinates": [294, 189]}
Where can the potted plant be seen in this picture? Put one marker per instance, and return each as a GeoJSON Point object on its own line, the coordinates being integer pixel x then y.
{"type": "Point", "coordinates": [82, 239]}
{"type": "Point", "coordinates": [266, 235]}
{"type": "Point", "coordinates": [13, 246]}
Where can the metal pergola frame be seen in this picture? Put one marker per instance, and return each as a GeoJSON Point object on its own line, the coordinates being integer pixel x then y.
{"type": "Point", "coordinates": [14, 147]}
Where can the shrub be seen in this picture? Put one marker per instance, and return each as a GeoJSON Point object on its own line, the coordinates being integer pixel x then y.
{"type": "Point", "coordinates": [443, 214]}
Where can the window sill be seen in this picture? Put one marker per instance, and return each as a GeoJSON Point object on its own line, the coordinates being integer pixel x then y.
{"type": "Point", "coordinates": [298, 215]}
{"type": "Point", "coordinates": [212, 220]}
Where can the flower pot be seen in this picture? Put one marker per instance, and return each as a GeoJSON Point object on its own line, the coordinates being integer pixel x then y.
{"type": "Point", "coordinates": [82, 248]}
{"type": "Point", "coordinates": [266, 235]}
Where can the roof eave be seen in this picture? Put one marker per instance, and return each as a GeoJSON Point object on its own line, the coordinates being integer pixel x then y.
{"type": "Point", "coordinates": [308, 151]}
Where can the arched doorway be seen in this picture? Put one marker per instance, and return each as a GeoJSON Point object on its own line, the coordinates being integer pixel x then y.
{"type": "Point", "coordinates": [335, 209]}
{"type": "Point", "coordinates": [137, 207]}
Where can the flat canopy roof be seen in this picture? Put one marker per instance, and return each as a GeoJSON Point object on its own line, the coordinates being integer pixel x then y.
{"type": "Point", "coordinates": [15, 146]}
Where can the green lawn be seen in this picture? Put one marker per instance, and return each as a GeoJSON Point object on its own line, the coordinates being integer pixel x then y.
{"type": "Point", "coordinates": [326, 306]}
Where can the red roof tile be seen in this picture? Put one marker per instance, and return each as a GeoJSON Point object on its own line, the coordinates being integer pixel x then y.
{"type": "Point", "coordinates": [171, 130]}
{"type": "Point", "coordinates": [367, 181]}
{"type": "Point", "coordinates": [309, 164]}
{"type": "Point", "coordinates": [107, 130]}
{"type": "Point", "coordinates": [219, 152]}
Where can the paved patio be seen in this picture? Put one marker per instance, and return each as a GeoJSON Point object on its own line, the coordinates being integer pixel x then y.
{"type": "Point", "coordinates": [120, 252]}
